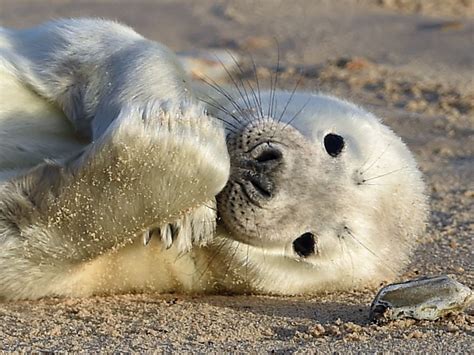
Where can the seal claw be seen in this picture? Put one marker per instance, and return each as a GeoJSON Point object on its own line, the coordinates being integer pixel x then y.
{"type": "Point", "coordinates": [147, 237]}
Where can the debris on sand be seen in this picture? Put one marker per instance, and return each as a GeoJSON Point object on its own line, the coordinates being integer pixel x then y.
{"type": "Point", "coordinates": [427, 298]}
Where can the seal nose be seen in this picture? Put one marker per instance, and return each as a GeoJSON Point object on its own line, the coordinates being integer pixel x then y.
{"type": "Point", "coordinates": [257, 172]}
{"type": "Point", "coordinates": [265, 158]}
{"type": "Point", "coordinates": [268, 155]}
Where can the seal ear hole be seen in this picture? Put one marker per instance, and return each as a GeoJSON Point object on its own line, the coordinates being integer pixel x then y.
{"type": "Point", "coordinates": [304, 245]}
{"type": "Point", "coordinates": [334, 144]}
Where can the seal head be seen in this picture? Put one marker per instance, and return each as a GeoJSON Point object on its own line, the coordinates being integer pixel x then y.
{"type": "Point", "coordinates": [323, 192]}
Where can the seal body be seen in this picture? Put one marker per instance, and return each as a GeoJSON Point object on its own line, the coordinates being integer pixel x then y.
{"type": "Point", "coordinates": [104, 145]}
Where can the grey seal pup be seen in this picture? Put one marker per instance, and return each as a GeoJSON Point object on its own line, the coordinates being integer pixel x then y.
{"type": "Point", "coordinates": [106, 146]}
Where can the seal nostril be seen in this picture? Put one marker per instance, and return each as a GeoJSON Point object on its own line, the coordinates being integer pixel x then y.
{"type": "Point", "coordinates": [304, 246]}
{"type": "Point", "coordinates": [268, 155]}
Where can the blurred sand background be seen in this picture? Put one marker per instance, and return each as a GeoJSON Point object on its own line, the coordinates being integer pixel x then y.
{"type": "Point", "coordinates": [410, 61]}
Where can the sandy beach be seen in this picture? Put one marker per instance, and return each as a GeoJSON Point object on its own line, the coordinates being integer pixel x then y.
{"type": "Point", "coordinates": [410, 62]}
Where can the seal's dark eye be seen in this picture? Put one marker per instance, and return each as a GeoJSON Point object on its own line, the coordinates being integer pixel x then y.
{"type": "Point", "coordinates": [304, 246]}
{"type": "Point", "coordinates": [333, 144]}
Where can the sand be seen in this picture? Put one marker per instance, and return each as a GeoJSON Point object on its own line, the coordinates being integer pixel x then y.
{"type": "Point", "coordinates": [412, 65]}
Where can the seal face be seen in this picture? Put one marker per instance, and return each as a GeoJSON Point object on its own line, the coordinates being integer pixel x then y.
{"type": "Point", "coordinates": [270, 163]}
{"type": "Point", "coordinates": [330, 187]}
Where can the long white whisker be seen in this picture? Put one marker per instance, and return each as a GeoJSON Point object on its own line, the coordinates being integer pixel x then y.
{"type": "Point", "coordinates": [224, 110]}
{"type": "Point", "coordinates": [297, 113]}
{"type": "Point", "coordinates": [254, 95]}
{"type": "Point", "coordinates": [273, 101]}
{"type": "Point", "coordinates": [375, 161]}
{"type": "Point", "coordinates": [369, 250]}
{"type": "Point", "coordinates": [236, 85]}
{"type": "Point", "coordinates": [382, 175]}
{"type": "Point", "coordinates": [211, 259]}
{"type": "Point", "coordinates": [348, 250]}
{"type": "Point", "coordinates": [289, 100]}
{"type": "Point", "coordinates": [237, 245]}
{"type": "Point", "coordinates": [214, 85]}
{"type": "Point", "coordinates": [259, 96]}
{"type": "Point", "coordinates": [247, 265]}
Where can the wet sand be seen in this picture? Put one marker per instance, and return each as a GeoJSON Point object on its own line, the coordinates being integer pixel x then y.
{"type": "Point", "coordinates": [413, 66]}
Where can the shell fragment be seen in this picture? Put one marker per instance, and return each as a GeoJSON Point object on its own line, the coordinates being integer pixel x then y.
{"type": "Point", "coordinates": [427, 298]}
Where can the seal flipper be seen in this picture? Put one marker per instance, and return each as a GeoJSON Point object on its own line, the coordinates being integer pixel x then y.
{"type": "Point", "coordinates": [62, 214]}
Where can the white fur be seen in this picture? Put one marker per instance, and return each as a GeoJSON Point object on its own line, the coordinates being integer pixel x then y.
{"type": "Point", "coordinates": [73, 191]}
{"type": "Point", "coordinates": [133, 151]}
{"type": "Point", "coordinates": [386, 216]}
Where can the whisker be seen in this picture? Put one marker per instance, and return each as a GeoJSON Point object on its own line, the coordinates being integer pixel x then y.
{"type": "Point", "coordinates": [347, 251]}
{"type": "Point", "coordinates": [210, 207]}
{"type": "Point", "coordinates": [375, 161]}
{"type": "Point", "coordinates": [258, 86]}
{"type": "Point", "coordinates": [297, 113]}
{"type": "Point", "coordinates": [273, 92]}
{"type": "Point", "coordinates": [222, 109]}
{"type": "Point", "coordinates": [229, 264]}
{"type": "Point", "coordinates": [247, 265]}
{"type": "Point", "coordinates": [231, 77]}
{"type": "Point", "coordinates": [369, 250]}
{"type": "Point", "coordinates": [211, 259]}
{"type": "Point", "coordinates": [243, 83]}
{"type": "Point", "coordinates": [382, 175]}
{"type": "Point", "coordinates": [352, 266]}
{"type": "Point", "coordinates": [228, 96]}
{"type": "Point", "coordinates": [259, 236]}
{"type": "Point", "coordinates": [289, 99]}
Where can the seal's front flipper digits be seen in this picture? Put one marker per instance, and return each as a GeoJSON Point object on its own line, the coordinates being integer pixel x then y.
{"type": "Point", "coordinates": [195, 228]}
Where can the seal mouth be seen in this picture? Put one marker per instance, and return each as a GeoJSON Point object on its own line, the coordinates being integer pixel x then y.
{"type": "Point", "coordinates": [261, 186]}
{"type": "Point", "coordinates": [255, 171]}
{"type": "Point", "coordinates": [256, 188]}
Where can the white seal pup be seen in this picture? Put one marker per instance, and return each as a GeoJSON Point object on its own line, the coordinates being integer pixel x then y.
{"type": "Point", "coordinates": [319, 195]}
